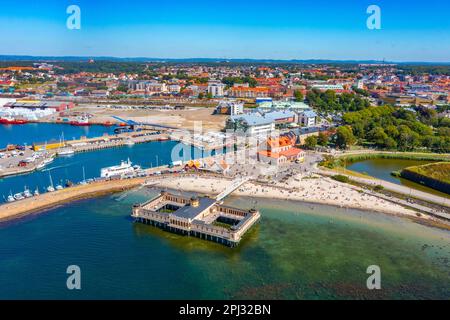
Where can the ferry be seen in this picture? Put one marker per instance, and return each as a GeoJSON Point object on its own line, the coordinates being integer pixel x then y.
{"type": "Point", "coordinates": [125, 169]}
{"type": "Point", "coordinates": [45, 162]}
{"type": "Point", "coordinates": [10, 120]}
{"type": "Point", "coordinates": [65, 152]}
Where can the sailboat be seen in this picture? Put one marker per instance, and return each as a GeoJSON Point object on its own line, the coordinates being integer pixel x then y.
{"type": "Point", "coordinates": [59, 187]}
{"type": "Point", "coordinates": [19, 196]}
{"type": "Point", "coordinates": [10, 198]}
{"type": "Point", "coordinates": [50, 188]}
{"type": "Point", "coordinates": [27, 193]}
{"type": "Point", "coordinates": [36, 192]}
{"type": "Point", "coordinates": [83, 182]}
{"type": "Point", "coordinates": [64, 151]}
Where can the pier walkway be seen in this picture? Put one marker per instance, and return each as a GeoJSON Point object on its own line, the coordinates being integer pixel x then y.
{"type": "Point", "coordinates": [232, 187]}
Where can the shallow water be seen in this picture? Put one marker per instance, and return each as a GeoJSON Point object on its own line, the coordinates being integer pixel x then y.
{"type": "Point", "coordinates": [382, 168]}
{"type": "Point", "coordinates": [298, 251]}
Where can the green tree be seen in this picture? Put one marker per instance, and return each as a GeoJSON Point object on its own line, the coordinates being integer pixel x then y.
{"type": "Point", "coordinates": [311, 142]}
{"type": "Point", "coordinates": [298, 95]}
{"type": "Point", "coordinates": [344, 137]}
{"type": "Point", "coordinates": [322, 139]}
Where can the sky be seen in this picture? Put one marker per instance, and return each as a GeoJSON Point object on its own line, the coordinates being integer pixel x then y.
{"type": "Point", "coordinates": [291, 29]}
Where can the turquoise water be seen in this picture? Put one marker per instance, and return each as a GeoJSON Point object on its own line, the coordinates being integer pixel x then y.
{"type": "Point", "coordinates": [42, 132]}
{"type": "Point", "coordinates": [298, 251]}
{"type": "Point", "coordinates": [382, 168]}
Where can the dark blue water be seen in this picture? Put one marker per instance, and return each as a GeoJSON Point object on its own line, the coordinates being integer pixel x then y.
{"type": "Point", "coordinates": [71, 168]}
{"type": "Point", "coordinates": [42, 132]}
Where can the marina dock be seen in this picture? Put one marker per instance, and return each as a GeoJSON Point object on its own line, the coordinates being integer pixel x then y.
{"type": "Point", "coordinates": [49, 200]}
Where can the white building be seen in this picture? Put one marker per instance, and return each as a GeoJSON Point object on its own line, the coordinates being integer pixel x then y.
{"type": "Point", "coordinates": [216, 88]}
{"type": "Point", "coordinates": [308, 118]}
{"type": "Point", "coordinates": [231, 108]}
{"type": "Point", "coordinates": [325, 87]}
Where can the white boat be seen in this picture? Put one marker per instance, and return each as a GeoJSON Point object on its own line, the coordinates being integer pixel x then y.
{"type": "Point", "coordinates": [45, 162]}
{"type": "Point", "coordinates": [124, 169]}
{"type": "Point", "coordinates": [83, 182]}
{"type": "Point", "coordinates": [50, 188]}
{"type": "Point", "coordinates": [10, 198]}
{"type": "Point", "coordinates": [27, 193]}
{"type": "Point", "coordinates": [19, 196]}
{"type": "Point", "coordinates": [59, 187]}
{"type": "Point", "coordinates": [129, 142]}
{"type": "Point", "coordinates": [36, 192]}
{"type": "Point", "coordinates": [66, 152]}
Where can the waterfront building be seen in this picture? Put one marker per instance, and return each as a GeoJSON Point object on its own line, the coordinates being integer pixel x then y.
{"type": "Point", "coordinates": [231, 108]}
{"type": "Point", "coordinates": [201, 217]}
{"type": "Point", "coordinates": [279, 150]}
{"type": "Point", "coordinates": [250, 124]}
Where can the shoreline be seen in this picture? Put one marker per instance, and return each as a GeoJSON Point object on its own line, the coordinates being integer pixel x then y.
{"type": "Point", "coordinates": [47, 201]}
{"type": "Point", "coordinates": [349, 197]}
{"type": "Point", "coordinates": [365, 202]}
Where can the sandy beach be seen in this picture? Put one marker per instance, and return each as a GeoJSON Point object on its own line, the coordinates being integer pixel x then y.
{"type": "Point", "coordinates": [48, 200]}
{"type": "Point", "coordinates": [307, 189]}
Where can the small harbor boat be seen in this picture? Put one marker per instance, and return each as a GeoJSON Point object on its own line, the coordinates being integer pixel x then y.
{"type": "Point", "coordinates": [36, 192]}
{"type": "Point", "coordinates": [27, 193]}
{"type": "Point", "coordinates": [59, 187]}
{"type": "Point", "coordinates": [10, 198]}
{"type": "Point", "coordinates": [129, 142]}
{"type": "Point", "coordinates": [50, 188]}
{"type": "Point", "coordinates": [18, 196]}
{"type": "Point", "coordinates": [83, 182]}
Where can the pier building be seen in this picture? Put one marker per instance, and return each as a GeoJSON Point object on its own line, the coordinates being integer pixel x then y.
{"type": "Point", "coordinates": [201, 217]}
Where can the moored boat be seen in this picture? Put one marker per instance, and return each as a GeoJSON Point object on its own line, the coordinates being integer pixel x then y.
{"type": "Point", "coordinates": [10, 120]}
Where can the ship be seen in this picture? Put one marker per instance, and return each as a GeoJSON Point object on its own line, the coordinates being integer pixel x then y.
{"type": "Point", "coordinates": [10, 120]}
{"type": "Point", "coordinates": [125, 169]}
{"type": "Point", "coordinates": [80, 121]}
{"type": "Point", "coordinates": [65, 152]}
{"type": "Point", "coordinates": [44, 163]}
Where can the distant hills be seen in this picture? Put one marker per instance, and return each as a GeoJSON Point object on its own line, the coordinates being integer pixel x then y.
{"type": "Point", "coordinates": [208, 60]}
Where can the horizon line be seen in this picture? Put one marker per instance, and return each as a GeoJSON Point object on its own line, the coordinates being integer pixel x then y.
{"type": "Point", "coordinates": [150, 59]}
